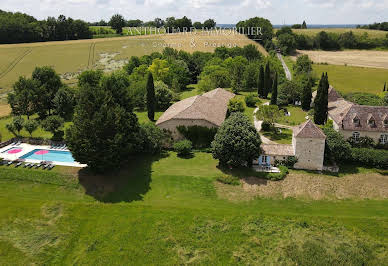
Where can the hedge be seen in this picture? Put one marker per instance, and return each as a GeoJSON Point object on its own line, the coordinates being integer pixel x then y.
{"type": "Point", "coordinates": [201, 137]}
{"type": "Point", "coordinates": [370, 157]}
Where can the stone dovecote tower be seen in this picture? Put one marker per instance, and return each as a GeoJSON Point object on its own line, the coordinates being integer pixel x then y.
{"type": "Point", "coordinates": [308, 142]}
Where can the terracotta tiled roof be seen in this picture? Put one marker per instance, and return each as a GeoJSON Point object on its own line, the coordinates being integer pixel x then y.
{"type": "Point", "coordinates": [333, 95]}
{"type": "Point", "coordinates": [344, 113]}
{"type": "Point", "coordinates": [308, 130]}
{"type": "Point", "coordinates": [277, 149]}
{"type": "Point", "coordinates": [338, 110]}
{"type": "Point", "coordinates": [365, 114]}
{"type": "Point", "coordinates": [211, 106]}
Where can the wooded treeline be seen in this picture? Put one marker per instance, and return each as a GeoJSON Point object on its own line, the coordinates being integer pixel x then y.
{"type": "Point", "coordinates": [20, 28]}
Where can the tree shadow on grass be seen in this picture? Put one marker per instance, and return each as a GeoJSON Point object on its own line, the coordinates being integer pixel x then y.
{"type": "Point", "coordinates": [128, 184]}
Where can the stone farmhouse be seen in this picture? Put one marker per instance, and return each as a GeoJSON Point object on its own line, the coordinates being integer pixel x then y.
{"type": "Point", "coordinates": [355, 121]}
{"type": "Point", "coordinates": [308, 145]}
{"type": "Point", "coordinates": [207, 110]}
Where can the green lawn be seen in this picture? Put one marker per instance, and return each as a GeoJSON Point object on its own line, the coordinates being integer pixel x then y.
{"type": "Point", "coordinates": [347, 79]}
{"type": "Point", "coordinates": [167, 211]}
{"type": "Point", "coordinates": [39, 133]}
{"type": "Point", "coordinates": [285, 137]}
{"type": "Point", "coordinates": [298, 116]}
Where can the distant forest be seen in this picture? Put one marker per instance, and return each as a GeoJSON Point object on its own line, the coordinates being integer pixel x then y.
{"type": "Point", "coordinates": [375, 26]}
{"type": "Point", "coordinates": [23, 28]}
{"type": "Point", "coordinates": [19, 28]}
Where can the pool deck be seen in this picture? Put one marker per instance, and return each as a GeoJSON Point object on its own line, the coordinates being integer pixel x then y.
{"type": "Point", "coordinates": [26, 148]}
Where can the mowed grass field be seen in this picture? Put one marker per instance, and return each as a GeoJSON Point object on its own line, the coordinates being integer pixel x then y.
{"type": "Point", "coordinates": [171, 211]}
{"type": "Point", "coordinates": [75, 56]}
{"type": "Point", "coordinates": [348, 79]}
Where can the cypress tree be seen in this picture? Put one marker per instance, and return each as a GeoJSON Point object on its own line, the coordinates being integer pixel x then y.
{"type": "Point", "coordinates": [274, 96]}
{"type": "Point", "coordinates": [260, 88]}
{"type": "Point", "coordinates": [304, 25]}
{"type": "Point", "coordinates": [321, 101]}
{"type": "Point", "coordinates": [151, 101]}
{"type": "Point", "coordinates": [307, 95]}
{"type": "Point", "coordinates": [267, 80]}
{"type": "Point", "coordinates": [385, 86]}
{"type": "Point", "coordinates": [318, 102]}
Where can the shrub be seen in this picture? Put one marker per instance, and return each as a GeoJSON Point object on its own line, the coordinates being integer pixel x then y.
{"type": "Point", "coordinates": [229, 180]}
{"type": "Point", "coordinates": [201, 137]}
{"type": "Point", "coordinates": [152, 138]}
{"type": "Point", "coordinates": [364, 98]}
{"type": "Point", "coordinates": [362, 142]}
{"type": "Point", "coordinates": [250, 100]}
{"type": "Point", "coordinates": [370, 157]}
{"type": "Point", "coordinates": [279, 176]}
{"type": "Point", "coordinates": [183, 148]}
{"type": "Point", "coordinates": [289, 162]}
{"type": "Point", "coordinates": [235, 106]}
{"type": "Point", "coordinates": [163, 95]}
{"type": "Point", "coordinates": [336, 146]}
{"type": "Point", "coordinates": [266, 126]}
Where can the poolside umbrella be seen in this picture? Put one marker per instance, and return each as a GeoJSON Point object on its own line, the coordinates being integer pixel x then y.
{"type": "Point", "coordinates": [41, 152]}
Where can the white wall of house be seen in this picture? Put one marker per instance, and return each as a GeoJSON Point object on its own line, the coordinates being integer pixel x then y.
{"type": "Point", "coordinates": [376, 136]}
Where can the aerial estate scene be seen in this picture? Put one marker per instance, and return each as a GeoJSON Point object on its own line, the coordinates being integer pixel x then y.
{"type": "Point", "coordinates": [198, 132]}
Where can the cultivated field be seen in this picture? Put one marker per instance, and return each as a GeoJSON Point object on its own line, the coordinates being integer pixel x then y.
{"type": "Point", "coordinates": [371, 33]}
{"type": "Point", "coordinates": [347, 79]}
{"type": "Point", "coordinates": [171, 211]}
{"type": "Point", "coordinates": [69, 58]}
{"type": "Point", "coordinates": [362, 58]}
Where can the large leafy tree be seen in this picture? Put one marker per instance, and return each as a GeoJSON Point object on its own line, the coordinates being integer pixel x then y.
{"type": "Point", "coordinates": [105, 130]}
{"type": "Point", "coordinates": [48, 83]}
{"type": "Point", "coordinates": [237, 142]}
{"type": "Point", "coordinates": [236, 67]}
{"type": "Point", "coordinates": [22, 98]}
{"type": "Point", "coordinates": [337, 148]}
{"type": "Point", "coordinates": [266, 33]}
{"type": "Point", "coordinates": [151, 100]}
{"type": "Point", "coordinates": [209, 23]}
{"type": "Point", "coordinates": [117, 22]}
{"type": "Point", "coordinates": [303, 65]}
{"type": "Point", "coordinates": [251, 74]}
{"type": "Point", "coordinates": [64, 102]}
{"type": "Point", "coordinates": [269, 114]}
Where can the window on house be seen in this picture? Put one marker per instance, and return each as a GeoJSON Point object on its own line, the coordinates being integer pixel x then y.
{"type": "Point", "coordinates": [356, 136]}
{"type": "Point", "coordinates": [386, 123]}
{"type": "Point", "coordinates": [356, 121]}
{"type": "Point", "coordinates": [372, 122]}
{"type": "Point", "coordinates": [264, 159]}
{"type": "Point", "coordinates": [384, 139]}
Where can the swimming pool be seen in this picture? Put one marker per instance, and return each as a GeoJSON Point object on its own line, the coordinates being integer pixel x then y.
{"type": "Point", "coordinates": [49, 155]}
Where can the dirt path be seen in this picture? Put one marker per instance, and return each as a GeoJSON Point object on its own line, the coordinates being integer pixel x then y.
{"type": "Point", "coordinates": [288, 73]}
{"type": "Point", "coordinates": [258, 123]}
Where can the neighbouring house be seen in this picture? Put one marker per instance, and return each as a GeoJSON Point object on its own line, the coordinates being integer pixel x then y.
{"type": "Point", "coordinates": [355, 121]}
{"type": "Point", "coordinates": [308, 146]}
{"type": "Point", "coordinates": [207, 110]}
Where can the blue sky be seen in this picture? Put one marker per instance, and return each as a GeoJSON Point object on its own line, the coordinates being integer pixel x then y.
{"type": "Point", "coordinates": [223, 11]}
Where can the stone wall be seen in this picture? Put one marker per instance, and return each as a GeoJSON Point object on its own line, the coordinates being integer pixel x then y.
{"type": "Point", "coordinates": [374, 135]}
{"type": "Point", "coordinates": [310, 153]}
{"type": "Point", "coordinates": [171, 125]}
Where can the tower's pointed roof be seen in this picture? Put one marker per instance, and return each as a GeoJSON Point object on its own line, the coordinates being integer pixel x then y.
{"type": "Point", "coordinates": [309, 130]}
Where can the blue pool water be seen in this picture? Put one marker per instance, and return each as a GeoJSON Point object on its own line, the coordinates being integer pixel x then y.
{"type": "Point", "coordinates": [54, 156]}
